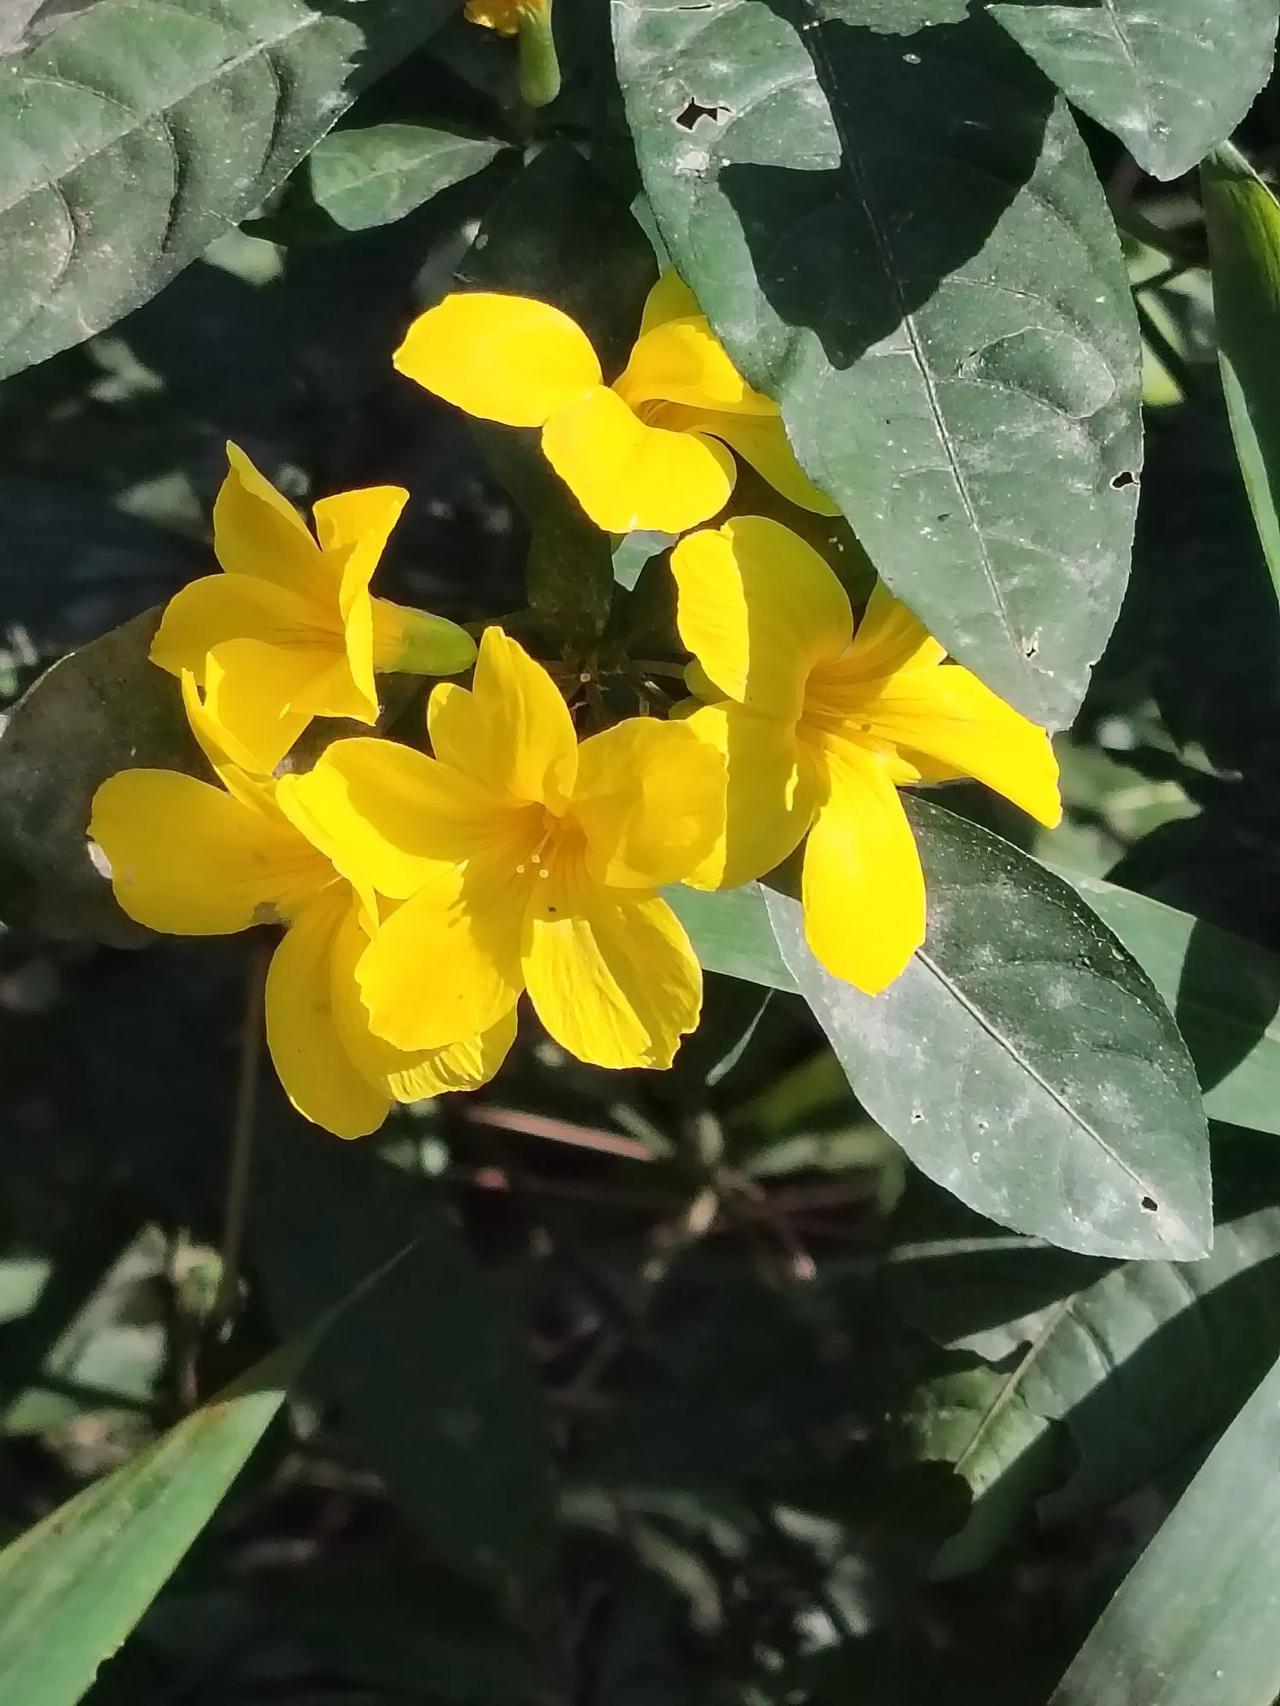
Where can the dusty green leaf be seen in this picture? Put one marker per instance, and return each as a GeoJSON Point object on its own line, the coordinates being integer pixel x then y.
{"type": "Point", "coordinates": [1170, 79]}
{"type": "Point", "coordinates": [101, 709]}
{"type": "Point", "coordinates": [1023, 1060]}
{"type": "Point", "coordinates": [937, 301]}
{"type": "Point", "coordinates": [136, 132]}
{"type": "Point", "coordinates": [361, 178]}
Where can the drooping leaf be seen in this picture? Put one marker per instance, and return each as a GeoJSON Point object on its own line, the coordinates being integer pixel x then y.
{"type": "Point", "coordinates": [561, 234]}
{"type": "Point", "coordinates": [1195, 1620]}
{"type": "Point", "coordinates": [101, 709]}
{"type": "Point", "coordinates": [136, 132]}
{"type": "Point", "coordinates": [373, 176]}
{"type": "Point", "coordinates": [1101, 1375]}
{"type": "Point", "coordinates": [1023, 1060]}
{"type": "Point", "coordinates": [1242, 217]}
{"type": "Point", "coordinates": [430, 1373]}
{"type": "Point", "coordinates": [1170, 80]}
{"type": "Point", "coordinates": [900, 237]}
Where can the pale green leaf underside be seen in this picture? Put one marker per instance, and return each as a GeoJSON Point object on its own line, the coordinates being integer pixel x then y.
{"type": "Point", "coordinates": [937, 301]}
{"type": "Point", "coordinates": [362, 178]}
{"type": "Point", "coordinates": [1170, 77]}
{"type": "Point", "coordinates": [136, 132]}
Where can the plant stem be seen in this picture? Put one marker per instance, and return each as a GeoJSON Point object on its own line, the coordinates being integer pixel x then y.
{"type": "Point", "coordinates": [235, 1212]}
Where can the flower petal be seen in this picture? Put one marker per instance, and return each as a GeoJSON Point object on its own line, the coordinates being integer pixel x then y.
{"type": "Point", "coordinates": [218, 608]}
{"type": "Point", "coordinates": [759, 608]}
{"type": "Point", "coordinates": [682, 361]}
{"type": "Point", "coordinates": [503, 358]}
{"type": "Point", "coordinates": [513, 731]}
{"type": "Point", "coordinates": [628, 475]}
{"type": "Point", "coordinates": [889, 638]}
{"type": "Point", "coordinates": [762, 441]}
{"type": "Point", "coordinates": [387, 816]}
{"type": "Point", "coordinates": [406, 1075]}
{"type": "Point", "coordinates": [192, 861]}
{"type": "Point", "coordinates": [650, 799]}
{"type": "Point", "coordinates": [251, 693]}
{"type": "Point", "coordinates": [446, 965]}
{"type": "Point", "coordinates": [258, 533]}
{"type": "Point", "coordinates": [950, 715]}
{"type": "Point", "coordinates": [304, 987]}
{"type": "Point", "coordinates": [670, 299]}
{"type": "Point", "coordinates": [612, 975]}
{"type": "Point", "coordinates": [863, 887]}
{"type": "Point", "coordinates": [772, 794]}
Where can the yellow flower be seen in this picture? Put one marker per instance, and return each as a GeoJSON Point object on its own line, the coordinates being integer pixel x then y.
{"type": "Point", "coordinates": [291, 623]}
{"type": "Point", "coordinates": [648, 451]}
{"type": "Point", "coordinates": [524, 861]}
{"type": "Point", "coordinates": [504, 16]}
{"type": "Point", "coordinates": [820, 726]}
{"type": "Point", "coordinates": [192, 859]}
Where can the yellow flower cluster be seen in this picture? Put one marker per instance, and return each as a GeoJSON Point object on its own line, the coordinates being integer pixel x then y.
{"type": "Point", "coordinates": [422, 893]}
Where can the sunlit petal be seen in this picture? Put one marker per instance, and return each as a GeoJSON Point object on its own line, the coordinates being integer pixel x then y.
{"type": "Point", "coordinates": [305, 981]}
{"type": "Point", "coordinates": [953, 717]}
{"type": "Point", "coordinates": [387, 815]}
{"type": "Point", "coordinates": [611, 975]}
{"type": "Point", "coordinates": [190, 860]}
{"type": "Point", "coordinates": [682, 361]}
{"type": "Point", "coordinates": [504, 358]}
{"type": "Point", "coordinates": [513, 731]}
{"type": "Point", "coordinates": [446, 965]}
{"type": "Point", "coordinates": [669, 299]}
{"type": "Point", "coordinates": [628, 475]}
{"type": "Point", "coordinates": [258, 533]}
{"type": "Point", "coordinates": [650, 800]}
{"type": "Point", "coordinates": [771, 795]}
{"type": "Point", "coordinates": [253, 692]}
{"type": "Point", "coordinates": [762, 441]}
{"type": "Point", "coordinates": [209, 612]}
{"type": "Point", "coordinates": [759, 608]}
{"type": "Point", "coordinates": [889, 638]}
{"type": "Point", "coordinates": [406, 1075]}
{"type": "Point", "coordinates": [863, 887]}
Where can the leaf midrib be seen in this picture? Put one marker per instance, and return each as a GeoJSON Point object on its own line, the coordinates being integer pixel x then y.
{"type": "Point", "coordinates": [851, 160]}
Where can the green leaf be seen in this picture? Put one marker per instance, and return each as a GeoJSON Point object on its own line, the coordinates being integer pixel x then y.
{"type": "Point", "coordinates": [1243, 222]}
{"type": "Point", "coordinates": [138, 131]}
{"type": "Point", "coordinates": [900, 237]}
{"type": "Point", "coordinates": [73, 1587]}
{"type": "Point", "coordinates": [560, 233]}
{"type": "Point", "coordinates": [1223, 991]}
{"type": "Point", "coordinates": [1131, 1365]}
{"type": "Point", "coordinates": [361, 178]}
{"type": "Point", "coordinates": [101, 709]}
{"type": "Point", "coordinates": [430, 1374]}
{"type": "Point", "coordinates": [1170, 80]}
{"type": "Point", "coordinates": [1023, 1059]}
{"type": "Point", "coordinates": [1195, 1620]}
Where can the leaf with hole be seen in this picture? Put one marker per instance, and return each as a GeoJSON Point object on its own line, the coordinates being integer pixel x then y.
{"type": "Point", "coordinates": [937, 300]}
